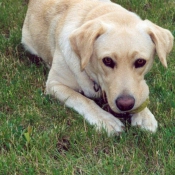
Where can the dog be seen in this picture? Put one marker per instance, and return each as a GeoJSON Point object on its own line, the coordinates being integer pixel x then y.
{"type": "Point", "coordinates": [96, 47]}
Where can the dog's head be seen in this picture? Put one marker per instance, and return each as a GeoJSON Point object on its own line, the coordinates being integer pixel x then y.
{"type": "Point", "coordinates": [118, 57]}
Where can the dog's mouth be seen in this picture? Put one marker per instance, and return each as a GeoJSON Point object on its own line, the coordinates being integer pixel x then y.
{"type": "Point", "coordinates": [103, 103]}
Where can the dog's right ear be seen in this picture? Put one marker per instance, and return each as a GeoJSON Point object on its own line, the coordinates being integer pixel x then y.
{"type": "Point", "coordinates": [162, 38]}
{"type": "Point", "coordinates": [82, 40]}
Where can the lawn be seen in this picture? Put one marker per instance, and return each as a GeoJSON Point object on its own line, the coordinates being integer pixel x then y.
{"type": "Point", "coordinates": [38, 135]}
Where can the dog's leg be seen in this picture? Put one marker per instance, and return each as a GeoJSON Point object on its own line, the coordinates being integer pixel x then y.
{"type": "Point", "coordinates": [86, 107]}
{"type": "Point", "coordinates": [145, 119]}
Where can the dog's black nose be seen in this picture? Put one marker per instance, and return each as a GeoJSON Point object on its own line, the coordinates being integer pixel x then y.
{"type": "Point", "coordinates": [125, 102]}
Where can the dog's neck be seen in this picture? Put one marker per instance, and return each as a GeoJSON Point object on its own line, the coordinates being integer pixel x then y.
{"type": "Point", "coordinates": [94, 79]}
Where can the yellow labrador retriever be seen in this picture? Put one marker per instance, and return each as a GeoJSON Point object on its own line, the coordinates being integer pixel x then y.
{"type": "Point", "coordinates": [96, 46]}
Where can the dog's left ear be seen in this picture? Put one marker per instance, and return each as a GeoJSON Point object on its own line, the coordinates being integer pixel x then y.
{"type": "Point", "coordinates": [82, 40]}
{"type": "Point", "coordinates": [162, 38]}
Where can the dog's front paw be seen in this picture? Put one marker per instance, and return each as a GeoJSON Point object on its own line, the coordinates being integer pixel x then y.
{"type": "Point", "coordinates": [145, 120]}
{"type": "Point", "coordinates": [106, 121]}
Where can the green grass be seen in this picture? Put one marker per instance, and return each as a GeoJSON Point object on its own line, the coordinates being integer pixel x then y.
{"type": "Point", "coordinates": [61, 142]}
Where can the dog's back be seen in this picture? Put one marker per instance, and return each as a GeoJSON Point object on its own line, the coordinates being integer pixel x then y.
{"type": "Point", "coordinates": [44, 18]}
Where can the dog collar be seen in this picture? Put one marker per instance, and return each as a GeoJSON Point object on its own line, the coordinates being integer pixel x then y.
{"type": "Point", "coordinates": [141, 107]}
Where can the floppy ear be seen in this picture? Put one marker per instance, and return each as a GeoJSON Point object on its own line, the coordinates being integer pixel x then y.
{"type": "Point", "coordinates": [163, 40]}
{"type": "Point", "coordinates": [82, 40]}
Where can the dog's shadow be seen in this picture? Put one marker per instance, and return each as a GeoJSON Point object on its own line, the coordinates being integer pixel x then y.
{"type": "Point", "coordinates": [28, 59]}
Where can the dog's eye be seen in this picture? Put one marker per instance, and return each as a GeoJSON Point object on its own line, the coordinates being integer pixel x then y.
{"type": "Point", "coordinates": [139, 63]}
{"type": "Point", "coordinates": [108, 62]}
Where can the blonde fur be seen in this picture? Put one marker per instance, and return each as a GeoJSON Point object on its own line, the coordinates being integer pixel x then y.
{"type": "Point", "coordinates": [73, 37]}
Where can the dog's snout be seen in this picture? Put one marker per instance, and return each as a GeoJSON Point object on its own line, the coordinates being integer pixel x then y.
{"type": "Point", "coordinates": [125, 103]}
